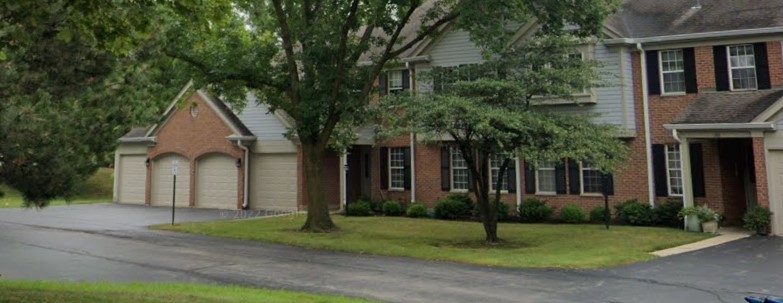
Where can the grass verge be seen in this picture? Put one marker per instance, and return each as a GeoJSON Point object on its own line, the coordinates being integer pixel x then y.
{"type": "Point", "coordinates": [525, 245]}
{"type": "Point", "coordinates": [45, 292]}
{"type": "Point", "coordinates": [96, 189]}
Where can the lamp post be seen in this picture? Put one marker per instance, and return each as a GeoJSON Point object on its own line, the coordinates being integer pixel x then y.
{"type": "Point", "coordinates": [606, 182]}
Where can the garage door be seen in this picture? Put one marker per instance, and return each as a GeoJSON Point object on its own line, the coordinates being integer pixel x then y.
{"type": "Point", "coordinates": [131, 179]}
{"type": "Point", "coordinates": [162, 181]}
{"type": "Point", "coordinates": [217, 184]}
{"type": "Point", "coordinates": [776, 187]}
{"type": "Point", "coordinates": [273, 182]}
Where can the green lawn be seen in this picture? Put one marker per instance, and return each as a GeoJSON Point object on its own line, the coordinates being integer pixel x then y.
{"type": "Point", "coordinates": [96, 189]}
{"type": "Point", "coordinates": [45, 292]}
{"type": "Point", "coordinates": [526, 245]}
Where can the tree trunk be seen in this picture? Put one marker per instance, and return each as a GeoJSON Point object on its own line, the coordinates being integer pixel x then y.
{"type": "Point", "coordinates": [318, 219]}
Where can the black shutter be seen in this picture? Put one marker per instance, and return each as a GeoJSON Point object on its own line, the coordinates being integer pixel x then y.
{"type": "Point", "coordinates": [407, 155]}
{"type": "Point", "coordinates": [610, 183]}
{"type": "Point", "coordinates": [382, 84]}
{"type": "Point", "coordinates": [384, 159]}
{"type": "Point", "coordinates": [762, 65]}
{"type": "Point", "coordinates": [697, 170]}
{"type": "Point", "coordinates": [574, 180]}
{"type": "Point", "coordinates": [482, 167]}
{"type": "Point", "coordinates": [720, 60]}
{"type": "Point", "coordinates": [653, 76]}
{"type": "Point", "coordinates": [689, 59]}
{"type": "Point", "coordinates": [659, 170]}
{"type": "Point", "coordinates": [406, 79]}
{"type": "Point", "coordinates": [530, 179]}
{"type": "Point", "coordinates": [560, 178]}
{"type": "Point", "coordinates": [511, 172]}
{"type": "Point", "coordinates": [445, 169]}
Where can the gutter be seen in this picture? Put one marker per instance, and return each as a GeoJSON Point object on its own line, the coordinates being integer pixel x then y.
{"type": "Point", "coordinates": [137, 140]}
{"type": "Point", "coordinates": [647, 135]}
{"type": "Point", "coordinates": [720, 126]}
{"type": "Point", "coordinates": [696, 36]}
{"type": "Point", "coordinates": [246, 183]}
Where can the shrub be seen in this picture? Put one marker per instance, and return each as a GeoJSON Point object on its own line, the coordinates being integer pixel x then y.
{"type": "Point", "coordinates": [632, 212]}
{"type": "Point", "coordinates": [503, 212]}
{"type": "Point", "coordinates": [598, 214]}
{"type": "Point", "coordinates": [464, 199]}
{"type": "Point", "coordinates": [451, 209]}
{"type": "Point", "coordinates": [703, 213]}
{"type": "Point", "coordinates": [392, 208]}
{"type": "Point", "coordinates": [667, 213]}
{"type": "Point", "coordinates": [757, 219]}
{"type": "Point", "coordinates": [417, 210]}
{"type": "Point", "coordinates": [360, 208]}
{"type": "Point", "coordinates": [534, 210]}
{"type": "Point", "coordinates": [572, 214]}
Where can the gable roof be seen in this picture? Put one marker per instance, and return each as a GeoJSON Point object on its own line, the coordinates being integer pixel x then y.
{"type": "Point", "coordinates": [728, 107]}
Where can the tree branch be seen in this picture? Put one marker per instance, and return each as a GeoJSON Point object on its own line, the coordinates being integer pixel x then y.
{"type": "Point", "coordinates": [285, 34]}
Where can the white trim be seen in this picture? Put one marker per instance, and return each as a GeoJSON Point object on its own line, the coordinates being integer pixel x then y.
{"type": "Point", "coordinates": [721, 126]}
{"type": "Point", "coordinates": [491, 176]}
{"type": "Point", "coordinates": [413, 167]}
{"type": "Point", "coordinates": [661, 72]}
{"type": "Point", "coordinates": [697, 36]}
{"type": "Point", "coordinates": [518, 182]}
{"type": "Point", "coordinates": [389, 157]}
{"type": "Point", "coordinates": [668, 169]}
{"type": "Point", "coordinates": [582, 181]}
{"type": "Point", "coordinates": [451, 172]}
{"type": "Point", "coordinates": [731, 68]}
{"type": "Point", "coordinates": [647, 131]}
{"type": "Point", "coordinates": [538, 183]}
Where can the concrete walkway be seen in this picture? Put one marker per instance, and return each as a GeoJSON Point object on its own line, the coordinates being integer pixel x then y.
{"type": "Point", "coordinates": [725, 235]}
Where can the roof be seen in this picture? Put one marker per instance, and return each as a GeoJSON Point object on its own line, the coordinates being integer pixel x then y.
{"type": "Point", "coordinates": [654, 18]}
{"type": "Point", "coordinates": [136, 132]}
{"type": "Point", "coordinates": [230, 115]}
{"type": "Point", "coordinates": [728, 107]}
{"type": "Point", "coordinates": [408, 33]}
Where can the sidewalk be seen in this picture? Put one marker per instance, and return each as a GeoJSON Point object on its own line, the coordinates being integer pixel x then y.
{"type": "Point", "coordinates": [725, 235]}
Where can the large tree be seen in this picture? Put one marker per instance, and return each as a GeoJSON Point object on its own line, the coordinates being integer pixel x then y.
{"type": "Point", "coordinates": [319, 60]}
{"type": "Point", "coordinates": [489, 112]}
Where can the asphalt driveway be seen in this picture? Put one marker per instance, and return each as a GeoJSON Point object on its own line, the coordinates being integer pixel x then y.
{"type": "Point", "coordinates": [108, 242]}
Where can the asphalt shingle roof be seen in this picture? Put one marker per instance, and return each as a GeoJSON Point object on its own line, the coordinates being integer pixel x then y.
{"type": "Point", "coordinates": [728, 107]}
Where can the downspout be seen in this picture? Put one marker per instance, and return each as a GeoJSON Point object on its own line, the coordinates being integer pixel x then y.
{"type": "Point", "coordinates": [647, 136]}
{"type": "Point", "coordinates": [518, 175]}
{"type": "Point", "coordinates": [246, 185]}
{"type": "Point", "coordinates": [413, 138]}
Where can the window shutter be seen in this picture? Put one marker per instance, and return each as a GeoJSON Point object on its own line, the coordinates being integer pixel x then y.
{"type": "Point", "coordinates": [407, 155]}
{"type": "Point", "coordinates": [689, 60]}
{"type": "Point", "coordinates": [406, 79]}
{"type": "Point", "coordinates": [659, 170]}
{"type": "Point", "coordinates": [653, 73]}
{"type": "Point", "coordinates": [511, 172]}
{"type": "Point", "coordinates": [445, 169]}
{"type": "Point", "coordinates": [382, 82]}
{"type": "Point", "coordinates": [574, 181]}
{"type": "Point", "coordinates": [697, 170]}
{"type": "Point", "coordinates": [482, 167]}
{"type": "Point", "coordinates": [560, 178]}
{"type": "Point", "coordinates": [530, 179]}
{"type": "Point", "coordinates": [720, 60]}
{"type": "Point", "coordinates": [610, 184]}
{"type": "Point", "coordinates": [762, 65]}
{"type": "Point", "coordinates": [384, 159]}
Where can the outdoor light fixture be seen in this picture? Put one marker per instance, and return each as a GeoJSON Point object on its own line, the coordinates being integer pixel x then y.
{"type": "Point", "coordinates": [239, 162]}
{"type": "Point", "coordinates": [147, 162]}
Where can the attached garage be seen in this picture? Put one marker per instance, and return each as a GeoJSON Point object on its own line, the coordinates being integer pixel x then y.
{"type": "Point", "coordinates": [775, 165]}
{"type": "Point", "coordinates": [217, 182]}
{"type": "Point", "coordinates": [162, 181]}
{"type": "Point", "coordinates": [273, 182]}
{"type": "Point", "coordinates": [131, 179]}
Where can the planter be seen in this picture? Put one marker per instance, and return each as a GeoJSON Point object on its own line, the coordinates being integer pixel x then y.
{"type": "Point", "coordinates": [710, 227]}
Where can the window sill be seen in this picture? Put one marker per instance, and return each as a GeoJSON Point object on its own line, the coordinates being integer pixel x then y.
{"type": "Point", "coordinates": [674, 94]}
{"type": "Point", "coordinates": [396, 189]}
{"type": "Point", "coordinates": [546, 194]}
{"type": "Point", "coordinates": [743, 90]}
{"type": "Point", "coordinates": [592, 195]}
{"type": "Point", "coordinates": [459, 191]}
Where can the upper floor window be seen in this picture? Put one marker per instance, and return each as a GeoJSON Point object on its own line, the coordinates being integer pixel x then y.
{"type": "Point", "coordinates": [672, 71]}
{"type": "Point", "coordinates": [591, 179]}
{"type": "Point", "coordinates": [546, 182]}
{"type": "Point", "coordinates": [397, 168]}
{"type": "Point", "coordinates": [495, 161]}
{"type": "Point", "coordinates": [460, 177]}
{"type": "Point", "coordinates": [674, 170]}
{"type": "Point", "coordinates": [742, 67]}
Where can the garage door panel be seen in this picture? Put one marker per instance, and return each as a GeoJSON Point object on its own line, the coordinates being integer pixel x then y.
{"type": "Point", "coordinates": [162, 181]}
{"type": "Point", "coordinates": [274, 182]}
{"type": "Point", "coordinates": [217, 182]}
{"type": "Point", "coordinates": [132, 177]}
{"type": "Point", "coordinates": [776, 165]}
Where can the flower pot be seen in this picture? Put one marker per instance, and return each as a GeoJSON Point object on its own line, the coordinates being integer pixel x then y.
{"type": "Point", "coordinates": [710, 227]}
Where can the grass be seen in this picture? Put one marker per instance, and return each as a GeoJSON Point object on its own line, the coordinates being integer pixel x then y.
{"type": "Point", "coordinates": [525, 245]}
{"type": "Point", "coordinates": [45, 292]}
{"type": "Point", "coordinates": [96, 189]}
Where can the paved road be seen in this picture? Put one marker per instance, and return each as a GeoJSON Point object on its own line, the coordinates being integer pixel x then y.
{"type": "Point", "coordinates": [109, 243]}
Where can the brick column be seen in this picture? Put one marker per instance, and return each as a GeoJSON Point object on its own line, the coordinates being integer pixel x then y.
{"type": "Point", "coordinates": [760, 164]}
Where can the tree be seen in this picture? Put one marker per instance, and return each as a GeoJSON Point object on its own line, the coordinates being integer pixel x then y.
{"type": "Point", "coordinates": [319, 60]}
{"type": "Point", "coordinates": [488, 111]}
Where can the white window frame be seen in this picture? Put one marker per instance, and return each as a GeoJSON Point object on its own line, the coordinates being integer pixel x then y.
{"type": "Point", "coordinates": [731, 68]}
{"type": "Point", "coordinates": [582, 168]}
{"type": "Point", "coordinates": [390, 77]}
{"type": "Point", "coordinates": [540, 167]}
{"type": "Point", "coordinates": [674, 148]}
{"type": "Point", "coordinates": [492, 173]}
{"type": "Point", "coordinates": [392, 168]}
{"type": "Point", "coordinates": [662, 72]}
{"type": "Point", "coordinates": [452, 168]}
{"type": "Point", "coordinates": [588, 96]}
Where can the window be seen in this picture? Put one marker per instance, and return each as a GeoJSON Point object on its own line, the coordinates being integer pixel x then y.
{"type": "Point", "coordinates": [397, 168]}
{"type": "Point", "coordinates": [742, 67]}
{"type": "Point", "coordinates": [495, 161]}
{"type": "Point", "coordinates": [395, 81]}
{"type": "Point", "coordinates": [545, 178]}
{"type": "Point", "coordinates": [672, 71]}
{"type": "Point", "coordinates": [674, 170]}
{"type": "Point", "coordinates": [460, 180]}
{"type": "Point", "coordinates": [591, 179]}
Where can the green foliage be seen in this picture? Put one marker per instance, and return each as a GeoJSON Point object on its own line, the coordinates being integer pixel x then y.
{"type": "Point", "coordinates": [392, 208]}
{"type": "Point", "coordinates": [632, 212]}
{"type": "Point", "coordinates": [667, 213]}
{"type": "Point", "coordinates": [598, 214]}
{"type": "Point", "coordinates": [534, 210]}
{"type": "Point", "coordinates": [757, 219]}
{"type": "Point", "coordinates": [703, 213]}
{"type": "Point", "coordinates": [572, 214]}
{"type": "Point", "coordinates": [503, 212]}
{"type": "Point", "coordinates": [453, 207]}
{"type": "Point", "coordinates": [464, 199]}
{"type": "Point", "coordinates": [359, 209]}
{"type": "Point", "coordinates": [416, 210]}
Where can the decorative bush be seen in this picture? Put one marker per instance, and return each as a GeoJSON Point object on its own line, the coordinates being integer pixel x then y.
{"type": "Point", "coordinates": [464, 199]}
{"type": "Point", "coordinates": [449, 209]}
{"type": "Point", "coordinates": [534, 210]}
{"type": "Point", "coordinates": [572, 214]}
{"type": "Point", "coordinates": [598, 214]}
{"type": "Point", "coordinates": [667, 213]}
{"type": "Point", "coordinates": [632, 212]}
{"type": "Point", "coordinates": [757, 219]}
{"type": "Point", "coordinates": [359, 208]}
{"type": "Point", "coordinates": [503, 212]}
{"type": "Point", "coordinates": [392, 208]}
{"type": "Point", "coordinates": [703, 213]}
{"type": "Point", "coordinates": [417, 210]}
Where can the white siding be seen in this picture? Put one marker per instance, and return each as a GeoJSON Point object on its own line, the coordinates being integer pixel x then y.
{"type": "Point", "coordinates": [261, 122]}
{"type": "Point", "coordinates": [454, 48]}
